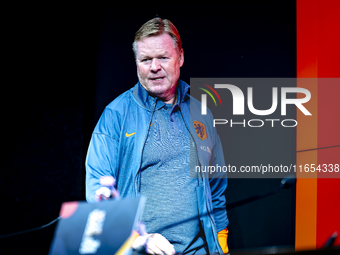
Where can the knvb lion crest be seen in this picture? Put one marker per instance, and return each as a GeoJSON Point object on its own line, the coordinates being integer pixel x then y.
{"type": "Point", "coordinates": [200, 130]}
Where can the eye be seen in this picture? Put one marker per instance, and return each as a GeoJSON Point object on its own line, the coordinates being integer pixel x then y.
{"type": "Point", "coordinates": [163, 59]}
{"type": "Point", "coordinates": [145, 60]}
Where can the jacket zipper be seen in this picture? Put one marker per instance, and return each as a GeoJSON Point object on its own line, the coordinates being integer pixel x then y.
{"type": "Point", "coordinates": [141, 155]}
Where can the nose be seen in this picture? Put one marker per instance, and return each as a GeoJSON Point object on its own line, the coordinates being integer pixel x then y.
{"type": "Point", "coordinates": [155, 65]}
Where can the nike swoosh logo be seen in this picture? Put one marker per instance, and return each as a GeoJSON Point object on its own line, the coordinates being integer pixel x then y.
{"type": "Point", "coordinates": [128, 135]}
{"type": "Point", "coordinates": [152, 124]}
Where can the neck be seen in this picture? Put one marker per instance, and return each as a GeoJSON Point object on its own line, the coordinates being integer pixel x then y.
{"type": "Point", "coordinates": [171, 101]}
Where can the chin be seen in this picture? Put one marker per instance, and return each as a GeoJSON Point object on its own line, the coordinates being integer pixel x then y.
{"type": "Point", "coordinates": [157, 92]}
{"type": "Point", "coordinates": [158, 89]}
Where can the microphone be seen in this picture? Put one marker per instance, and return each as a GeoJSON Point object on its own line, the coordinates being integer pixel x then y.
{"type": "Point", "coordinates": [107, 191]}
{"type": "Point", "coordinates": [288, 181]}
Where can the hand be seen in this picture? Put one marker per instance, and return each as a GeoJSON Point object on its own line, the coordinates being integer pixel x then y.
{"type": "Point", "coordinates": [107, 190]}
{"type": "Point", "coordinates": [102, 193]}
{"type": "Point", "coordinates": [154, 244]}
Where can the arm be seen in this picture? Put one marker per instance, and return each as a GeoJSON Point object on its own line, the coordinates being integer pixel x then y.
{"type": "Point", "coordinates": [101, 151]}
{"type": "Point", "coordinates": [101, 158]}
{"type": "Point", "coordinates": [218, 185]}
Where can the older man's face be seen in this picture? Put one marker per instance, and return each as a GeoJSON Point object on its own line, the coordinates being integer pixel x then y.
{"type": "Point", "coordinates": [158, 65]}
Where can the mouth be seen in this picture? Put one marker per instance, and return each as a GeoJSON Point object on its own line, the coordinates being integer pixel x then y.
{"type": "Point", "coordinates": [157, 78]}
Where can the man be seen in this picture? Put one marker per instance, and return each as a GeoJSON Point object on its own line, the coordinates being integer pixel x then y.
{"type": "Point", "coordinates": [143, 140]}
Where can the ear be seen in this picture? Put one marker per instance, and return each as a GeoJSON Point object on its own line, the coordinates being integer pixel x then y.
{"type": "Point", "coordinates": [181, 57]}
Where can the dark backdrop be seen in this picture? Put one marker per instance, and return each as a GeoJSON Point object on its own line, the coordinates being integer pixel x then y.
{"type": "Point", "coordinates": [64, 64]}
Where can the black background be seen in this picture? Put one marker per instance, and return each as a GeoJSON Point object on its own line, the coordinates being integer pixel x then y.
{"type": "Point", "coordinates": [64, 64]}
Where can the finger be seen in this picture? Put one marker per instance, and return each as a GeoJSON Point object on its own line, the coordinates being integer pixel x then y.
{"type": "Point", "coordinates": [162, 243]}
{"type": "Point", "coordinates": [152, 248]}
{"type": "Point", "coordinates": [168, 247]}
{"type": "Point", "coordinates": [139, 243]}
{"type": "Point", "coordinates": [102, 193]}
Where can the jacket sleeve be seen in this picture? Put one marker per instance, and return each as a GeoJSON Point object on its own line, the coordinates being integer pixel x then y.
{"type": "Point", "coordinates": [101, 158]}
{"type": "Point", "coordinates": [218, 185]}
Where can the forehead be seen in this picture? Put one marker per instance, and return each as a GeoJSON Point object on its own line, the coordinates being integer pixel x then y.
{"type": "Point", "coordinates": [160, 43]}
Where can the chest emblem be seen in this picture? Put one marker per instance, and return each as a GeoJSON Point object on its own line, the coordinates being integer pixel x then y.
{"type": "Point", "coordinates": [200, 130]}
